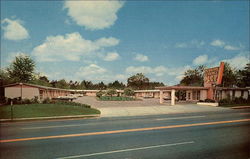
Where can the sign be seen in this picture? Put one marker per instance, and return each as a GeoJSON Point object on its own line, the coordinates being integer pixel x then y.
{"type": "Point", "coordinates": [213, 75]}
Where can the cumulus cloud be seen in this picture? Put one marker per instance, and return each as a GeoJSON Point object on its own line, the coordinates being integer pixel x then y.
{"type": "Point", "coordinates": [200, 60]}
{"type": "Point", "coordinates": [111, 56]}
{"type": "Point", "coordinates": [14, 30]}
{"type": "Point", "coordinates": [192, 44]}
{"type": "Point", "coordinates": [141, 58]}
{"type": "Point", "coordinates": [239, 61]}
{"type": "Point", "coordinates": [90, 70]}
{"type": "Point", "coordinates": [97, 73]}
{"type": "Point", "coordinates": [107, 42]}
{"type": "Point", "coordinates": [70, 47]}
{"type": "Point", "coordinates": [218, 43]}
{"type": "Point", "coordinates": [93, 15]}
{"type": "Point", "coordinates": [230, 47]}
{"type": "Point", "coordinates": [157, 71]}
{"type": "Point", "coordinates": [226, 46]}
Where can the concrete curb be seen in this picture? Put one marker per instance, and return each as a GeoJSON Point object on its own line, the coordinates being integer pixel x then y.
{"type": "Point", "coordinates": [240, 107]}
{"type": "Point", "coordinates": [54, 117]}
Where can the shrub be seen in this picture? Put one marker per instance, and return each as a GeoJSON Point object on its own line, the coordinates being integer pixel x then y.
{"type": "Point", "coordinates": [226, 101]}
{"type": "Point", "coordinates": [3, 99]}
{"type": "Point", "coordinates": [129, 92]}
{"type": "Point", "coordinates": [26, 101]}
{"type": "Point", "coordinates": [35, 100]}
{"type": "Point", "coordinates": [239, 100]}
{"type": "Point", "coordinates": [209, 100]}
{"type": "Point", "coordinates": [46, 101]}
{"type": "Point", "coordinates": [201, 100]}
{"type": "Point", "coordinates": [111, 92]}
{"type": "Point", "coordinates": [99, 94]}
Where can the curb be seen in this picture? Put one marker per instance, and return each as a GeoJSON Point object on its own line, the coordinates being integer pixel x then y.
{"type": "Point", "coordinates": [240, 107]}
{"type": "Point", "coordinates": [48, 118]}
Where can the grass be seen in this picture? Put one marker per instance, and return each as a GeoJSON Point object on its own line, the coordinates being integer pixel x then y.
{"type": "Point", "coordinates": [109, 98]}
{"type": "Point", "coordinates": [44, 110]}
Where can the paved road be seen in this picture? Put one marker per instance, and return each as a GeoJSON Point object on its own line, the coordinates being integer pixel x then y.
{"type": "Point", "coordinates": [193, 135]}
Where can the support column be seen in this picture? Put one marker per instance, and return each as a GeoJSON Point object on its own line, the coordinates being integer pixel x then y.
{"type": "Point", "coordinates": [173, 97]}
{"type": "Point", "coordinates": [161, 96]}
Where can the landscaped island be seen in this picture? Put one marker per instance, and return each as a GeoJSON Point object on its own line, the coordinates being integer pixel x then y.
{"type": "Point", "coordinates": [113, 95]}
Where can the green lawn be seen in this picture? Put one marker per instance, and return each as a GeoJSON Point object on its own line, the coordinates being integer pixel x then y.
{"type": "Point", "coordinates": [109, 98]}
{"type": "Point", "coordinates": [44, 110]}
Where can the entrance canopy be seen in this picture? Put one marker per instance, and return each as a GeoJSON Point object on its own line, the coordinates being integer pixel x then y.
{"type": "Point", "coordinates": [174, 88]}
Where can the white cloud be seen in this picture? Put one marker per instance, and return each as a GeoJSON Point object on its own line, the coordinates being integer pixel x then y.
{"type": "Point", "coordinates": [181, 45]}
{"type": "Point", "coordinates": [200, 60]}
{"type": "Point", "coordinates": [230, 47]}
{"type": "Point", "coordinates": [107, 42]}
{"type": "Point", "coordinates": [71, 47]}
{"type": "Point", "coordinates": [218, 43]}
{"type": "Point", "coordinates": [111, 56]}
{"type": "Point", "coordinates": [14, 30]}
{"type": "Point", "coordinates": [192, 44]}
{"type": "Point", "coordinates": [224, 45]}
{"type": "Point", "coordinates": [158, 70]}
{"type": "Point", "coordinates": [239, 61]}
{"type": "Point", "coordinates": [141, 58]}
{"type": "Point", "coordinates": [12, 56]}
{"type": "Point", "coordinates": [90, 70]}
{"type": "Point", "coordinates": [93, 15]}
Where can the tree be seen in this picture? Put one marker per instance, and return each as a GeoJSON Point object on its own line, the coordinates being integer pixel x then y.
{"type": "Point", "coordinates": [152, 85]}
{"type": "Point", "coordinates": [116, 85]}
{"type": "Point", "coordinates": [138, 81]}
{"type": "Point", "coordinates": [111, 92]}
{"type": "Point", "coordinates": [62, 84]}
{"type": "Point", "coordinates": [244, 77]}
{"type": "Point", "coordinates": [100, 86]}
{"type": "Point", "coordinates": [129, 92]}
{"type": "Point", "coordinates": [22, 69]}
{"type": "Point", "coordinates": [86, 84]}
{"type": "Point", "coordinates": [41, 80]}
{"type": "Point", "coordinates": [193, 77]}
{"type": "Point", "coordinates": [229, 78]}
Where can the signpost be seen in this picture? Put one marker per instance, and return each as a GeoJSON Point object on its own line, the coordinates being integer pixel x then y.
{"type": "Point", "coordinates": [212, 78]}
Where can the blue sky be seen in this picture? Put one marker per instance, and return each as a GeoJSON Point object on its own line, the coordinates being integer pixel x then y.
{"type": "Point", "coordinates": [112, 40]}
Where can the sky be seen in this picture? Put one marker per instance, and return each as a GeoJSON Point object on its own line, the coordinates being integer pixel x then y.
{"type": "Point", "coordinates": [112, 40]}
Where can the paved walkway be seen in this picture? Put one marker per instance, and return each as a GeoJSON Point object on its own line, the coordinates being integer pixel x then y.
{"type": "Point", "coordinates": [144, 107]}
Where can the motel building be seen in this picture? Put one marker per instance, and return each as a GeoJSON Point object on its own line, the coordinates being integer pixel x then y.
{"type": "Point", "coordinates": [211, 90]}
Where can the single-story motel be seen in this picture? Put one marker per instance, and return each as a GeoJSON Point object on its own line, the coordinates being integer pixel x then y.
{"type": "Point", "coordinates": [211, 90]}
{"type": "Point", "coordinates": [29, 91]}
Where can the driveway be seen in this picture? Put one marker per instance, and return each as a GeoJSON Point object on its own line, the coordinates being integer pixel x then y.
{"type": "Point", "coordinates": [144, 107]}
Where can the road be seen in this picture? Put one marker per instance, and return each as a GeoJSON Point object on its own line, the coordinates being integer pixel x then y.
{"type": "Point", "coordinates": [192, 135]}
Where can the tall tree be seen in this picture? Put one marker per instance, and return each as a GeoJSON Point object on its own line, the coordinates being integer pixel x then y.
{"type": "Point", "coordinates": [193, 77]}
{"type": "Point", "coordinates": [229, 78]}
{"type": "Point", "coordinates": [86, 84]}
{"type": "Point", "coordinates": [244, 77]}
{"type": "Point", "coordinates": [116, 85]}
{"type": "Point", "coordinates": [41, 80]}
{"type": "Point", "coordinates": [62, 84]}
{"type": "Point", "coordinates": [138, 81]}
{"type": "Point", "coordinates": [22, 69]}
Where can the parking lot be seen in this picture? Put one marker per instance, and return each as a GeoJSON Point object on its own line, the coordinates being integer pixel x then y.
{"type": "Point", "coordinates": [149, 106]}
